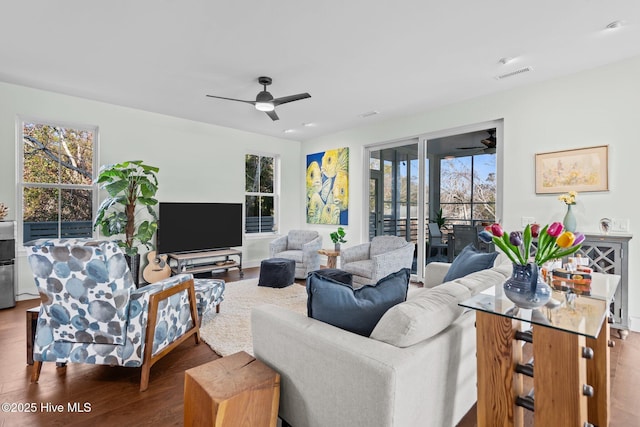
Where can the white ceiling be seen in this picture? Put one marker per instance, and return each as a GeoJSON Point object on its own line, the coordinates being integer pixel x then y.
{"type": "Point", "coordinates": [396, 57]}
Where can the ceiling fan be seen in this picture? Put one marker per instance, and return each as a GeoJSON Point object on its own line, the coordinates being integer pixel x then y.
{"type": "Point", "coordinates": [488, 142]}
{"type": "Point", "coordinates": [265, 101]}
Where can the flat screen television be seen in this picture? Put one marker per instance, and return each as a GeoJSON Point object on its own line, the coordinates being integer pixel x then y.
{"type": "Point", "coordinates": [191, 227]}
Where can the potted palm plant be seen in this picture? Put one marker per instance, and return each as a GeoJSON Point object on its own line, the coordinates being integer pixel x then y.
{"type": "Point", "coordinates": [128, 209]}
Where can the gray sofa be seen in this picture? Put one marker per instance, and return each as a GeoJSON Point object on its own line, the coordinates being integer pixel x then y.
{"type": "Point", "coordinates": [302, 246]}
{"type": "Point", "coordinates": [418, 368]}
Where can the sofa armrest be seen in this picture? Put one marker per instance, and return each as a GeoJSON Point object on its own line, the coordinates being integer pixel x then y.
{"type": "Point", "coordinates": [332, 377]}
{"type": "Point", "coordinates": [434, 273]}
{"type": "Point", "coordinates": [355, 253]}
{"type": "Point", "coordinates": [279, 244]}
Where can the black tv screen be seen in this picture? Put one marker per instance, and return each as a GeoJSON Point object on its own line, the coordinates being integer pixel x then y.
{"type": "Point", "coordinates": [190, 227]}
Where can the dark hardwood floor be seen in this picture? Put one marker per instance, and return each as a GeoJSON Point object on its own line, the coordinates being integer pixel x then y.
{"type": "Point", "coordinates": [113, 396]}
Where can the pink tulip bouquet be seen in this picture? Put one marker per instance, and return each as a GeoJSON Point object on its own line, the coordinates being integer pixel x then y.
{"type": "Point", "coordinates": [553, 242]}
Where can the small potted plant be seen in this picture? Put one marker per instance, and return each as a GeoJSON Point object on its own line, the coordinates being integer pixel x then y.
{"type": "Point", "coordinates": [128, 210]}
{"type": "Point", "coordinates": [337, 237]}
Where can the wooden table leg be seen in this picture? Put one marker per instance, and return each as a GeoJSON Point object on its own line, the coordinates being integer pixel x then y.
{"type": "Point", "coordinates": [559, 375]}
{"type": "Point", "coordinates": [498, 383]}
{"type": "Point", "coordinates": [598, 376]}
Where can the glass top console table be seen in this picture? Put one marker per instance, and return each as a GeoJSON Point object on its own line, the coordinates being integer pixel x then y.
{"type": "Point", "coordinates": [570, 338]}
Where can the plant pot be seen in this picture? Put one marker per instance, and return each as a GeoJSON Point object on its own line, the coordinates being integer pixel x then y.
{"type": "Point", "coordinates": [134, 265]}
{"type": "Point", "coordinates": [526, 288]}
{"type": "Point", "coordinates": [337, 247]}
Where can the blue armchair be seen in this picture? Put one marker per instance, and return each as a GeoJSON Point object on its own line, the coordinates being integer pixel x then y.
{"type": "Point", "coordinates": [91, 311]}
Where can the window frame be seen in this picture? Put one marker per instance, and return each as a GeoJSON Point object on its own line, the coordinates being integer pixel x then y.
{"type": "Point", "coordinates": [21, 184]}
{"type": "Point", "coordinates": [275, 194]}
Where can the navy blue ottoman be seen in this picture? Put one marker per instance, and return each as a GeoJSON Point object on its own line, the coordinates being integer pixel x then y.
{"type": "Point", "coordinates": [277, 272]}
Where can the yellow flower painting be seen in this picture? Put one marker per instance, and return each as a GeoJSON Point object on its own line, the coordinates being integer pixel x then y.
{"type": "Point", "coordinates": [327, 187]}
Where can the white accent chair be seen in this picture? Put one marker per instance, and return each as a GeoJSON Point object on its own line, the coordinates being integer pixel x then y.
{"type": "Point", "coordinates": [371, 261]}
{"type": "Point", "coordinates": [302, 246]}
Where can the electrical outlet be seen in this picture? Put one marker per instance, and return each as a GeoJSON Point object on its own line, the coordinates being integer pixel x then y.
{"type": "Point", "coordinates": [527, 220]}
{"type": "Point", "coordinates": [620, 225]}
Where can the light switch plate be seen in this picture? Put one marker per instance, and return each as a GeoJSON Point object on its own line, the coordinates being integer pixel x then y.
{"type": "Point", "coordinates": [620, 225]}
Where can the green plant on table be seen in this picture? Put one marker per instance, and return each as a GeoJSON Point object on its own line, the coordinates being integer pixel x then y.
{"type": "Point", "coordinates": [132, 186]}
{"type": "Point", "coordinates": [338, 236]}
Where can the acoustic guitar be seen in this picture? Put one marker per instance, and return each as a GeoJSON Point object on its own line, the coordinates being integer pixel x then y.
{"type": "Point", "coordinates": [157, 268]}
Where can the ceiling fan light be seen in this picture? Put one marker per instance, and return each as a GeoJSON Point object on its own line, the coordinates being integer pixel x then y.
{"type": "Point", "coordinates": [265, 106]}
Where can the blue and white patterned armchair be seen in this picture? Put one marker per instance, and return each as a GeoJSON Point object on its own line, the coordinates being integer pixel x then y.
{"type": "Point", "coordinates": [91, 311]}
{"type": "Point", "coordinates": [302, 246]}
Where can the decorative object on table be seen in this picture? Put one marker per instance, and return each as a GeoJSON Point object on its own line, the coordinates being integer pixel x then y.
{"type": "Point", "coordinates": [132, 186]}
{"type": "Point", "coordinates": [583, 169]}
{"type": "Point", "coordinates": [4, 211]}
{"type": "Point", "coordinates": [525, 287]}
{"type": "Point", "coordinates": [569, 221]}
{"type": "Point", "coordinates": [327, 185]}
{"type": "Point", "coordinates": [605, 225]}
{"type": "Point", "coordinates": [337, 237]}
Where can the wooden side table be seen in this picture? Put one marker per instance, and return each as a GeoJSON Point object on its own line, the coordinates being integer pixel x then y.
{"type": "Point", "coordinates": [236, 390]}
{"type": "Point", "coordinates": [332, 257]}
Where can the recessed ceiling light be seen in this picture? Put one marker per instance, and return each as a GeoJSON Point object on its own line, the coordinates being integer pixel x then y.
{"type": "Point", "coordinates": [505, 60]}
{"type": "Point", "coordinates": [308, 125]}
{"type": "Point", "coordinates": [288, 131]}
{"type": "Point", "coordinates": [369, 113]}
{"type": "Point", "coordinates": [614, 25]}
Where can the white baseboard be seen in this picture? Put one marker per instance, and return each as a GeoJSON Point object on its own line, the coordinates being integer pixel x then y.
{"type": "Point", "coordinates": [634, 323]}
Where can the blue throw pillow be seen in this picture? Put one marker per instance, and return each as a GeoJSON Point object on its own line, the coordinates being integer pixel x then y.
{"type": "Point", "coordinates": [469, 261]}
{"type": "Point", "coordinates": [359, 310]}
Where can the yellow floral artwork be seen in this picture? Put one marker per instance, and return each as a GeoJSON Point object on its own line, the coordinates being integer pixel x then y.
{"type": "Point", "coordinates": [327, 187]}
{"type": "Point", "coordinates": [584, 169]}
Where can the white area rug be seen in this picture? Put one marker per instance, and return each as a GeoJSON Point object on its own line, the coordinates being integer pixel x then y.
{"type": "Point", "coordinates": [229, 331]}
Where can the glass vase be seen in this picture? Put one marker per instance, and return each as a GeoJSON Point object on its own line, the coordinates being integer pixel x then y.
{"type": "Point", "coordinates": [526, 288]}
{"type": "Point", "coordinates": [569, 220]}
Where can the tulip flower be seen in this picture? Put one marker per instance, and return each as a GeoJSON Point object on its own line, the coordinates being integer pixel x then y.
{"type": "Point", "coordinates": [555, 229]}
{"type": "Point", "coordinates": [515, 238]}
{"type": "Point", "coordinates": [579, 239]}
{"type": "Point", "coordinates": [566, 239]}
{"type": "Point", "coordinates": [496, 230]}
{"type": "Point", "coordinates": [535, 230]}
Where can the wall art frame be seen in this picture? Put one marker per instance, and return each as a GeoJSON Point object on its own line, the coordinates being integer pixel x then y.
{"type": "Point", "coordinates": [327, 187]}
{"type": "Point", "coordinates": [580, 169]}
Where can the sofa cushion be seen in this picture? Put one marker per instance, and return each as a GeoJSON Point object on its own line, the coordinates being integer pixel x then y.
{"type": "Point", "coordinates": [359, 310]}
{"type": "Point", "coordinates": [363, 268]}
{"type": "Point", "coordinates": [469, 261]}
{"type": "Point", "coordinates": [425, 314]}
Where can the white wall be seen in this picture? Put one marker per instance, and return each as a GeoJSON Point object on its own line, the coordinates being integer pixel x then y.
{"type": "Point", "coordinates": [197, 161]}
{"type": "Point", "coordinates": [596, 107]}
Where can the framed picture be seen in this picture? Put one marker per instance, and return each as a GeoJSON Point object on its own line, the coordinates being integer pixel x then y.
{"type": "Point", "coordinates": [582, 169]}
{"type": "Point", "coordinates": [327, 185]}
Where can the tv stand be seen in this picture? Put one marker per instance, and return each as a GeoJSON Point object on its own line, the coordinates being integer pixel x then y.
{"type": "Point", "coordinates": [206, 261]}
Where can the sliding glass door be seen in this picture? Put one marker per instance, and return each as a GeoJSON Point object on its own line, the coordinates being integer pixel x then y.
{"type": "Point", "coordinates": [410, 181]}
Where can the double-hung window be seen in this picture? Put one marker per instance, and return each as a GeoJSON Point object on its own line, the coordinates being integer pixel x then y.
{"type": "Point", "coordinates": [261, 193]}
{"type": "Point", "coordinates": [58, 164]}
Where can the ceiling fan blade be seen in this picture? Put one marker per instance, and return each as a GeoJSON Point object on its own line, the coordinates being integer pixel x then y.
{"type": "Point", "coordinates": [471, 148]}
{"type": "Point", "coordinates": [273, 115]}
{"type": "Point", "coordinates": [232, 99]}
{"type": "Point", "coordinates": [290, 98]}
